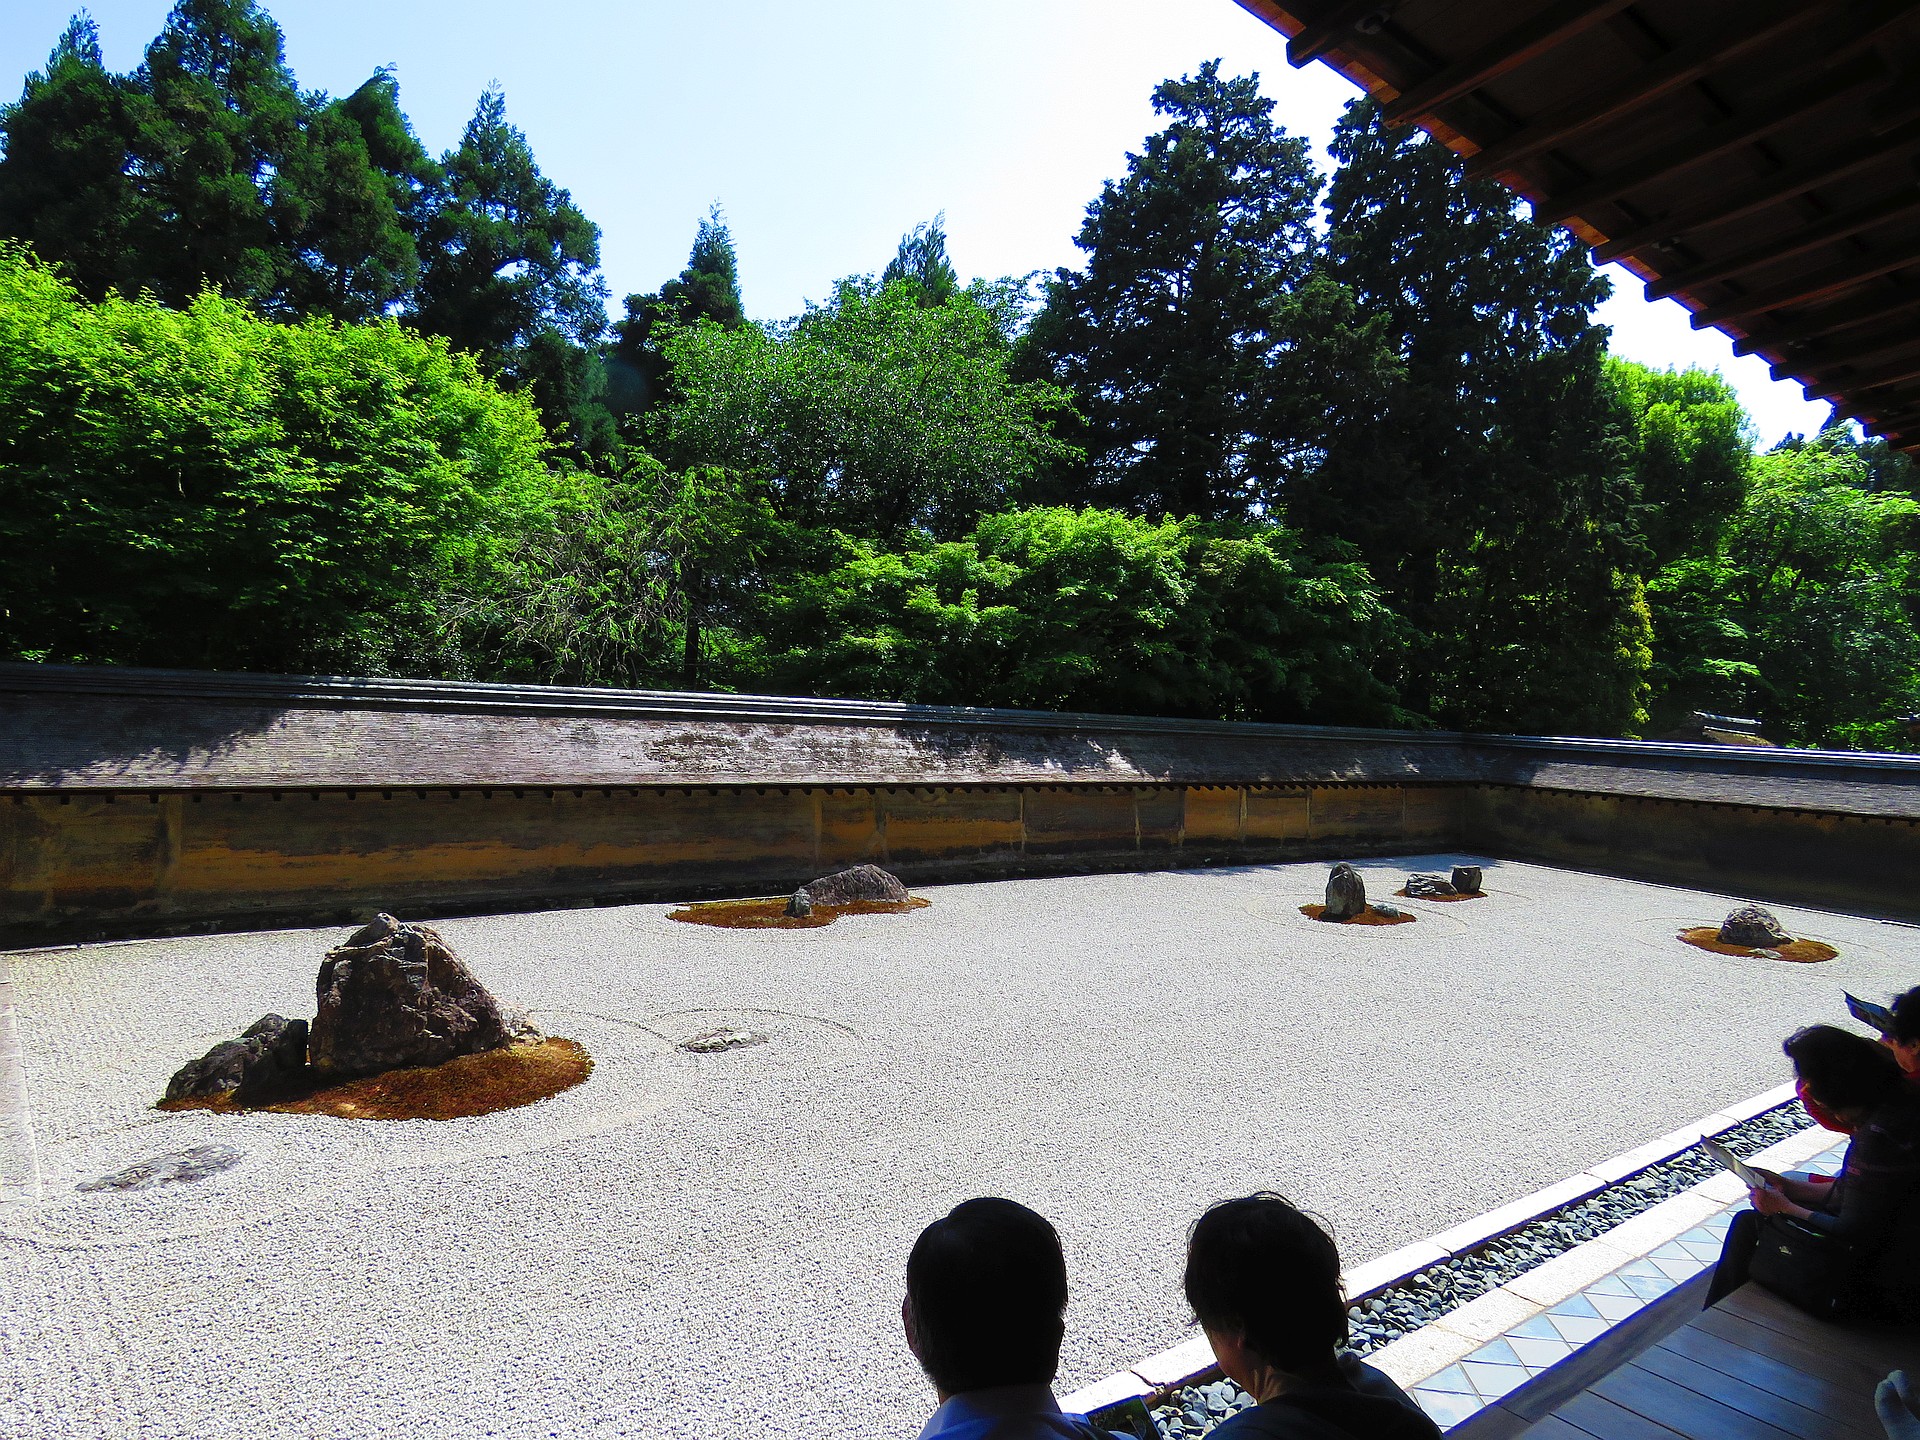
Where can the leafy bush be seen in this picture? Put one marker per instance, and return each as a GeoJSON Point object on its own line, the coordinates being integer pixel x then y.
{"type": "Point", "coordinates": [205, 488]}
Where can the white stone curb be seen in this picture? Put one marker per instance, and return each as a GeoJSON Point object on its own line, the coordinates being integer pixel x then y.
{"type": "Point", "coordinates": [19, 1162]}
{"type": "Point", "coordinates": [1451, 1337]}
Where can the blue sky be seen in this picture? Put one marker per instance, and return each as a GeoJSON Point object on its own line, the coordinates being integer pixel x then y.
{"type": "Point", "coordinates": [826, 129]}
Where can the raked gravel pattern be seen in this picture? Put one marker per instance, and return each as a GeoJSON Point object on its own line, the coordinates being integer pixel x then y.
{"type": "Point", "coordinates": [1192, 1410]}
{"type": "Point", "coordinates": [712, 1244]}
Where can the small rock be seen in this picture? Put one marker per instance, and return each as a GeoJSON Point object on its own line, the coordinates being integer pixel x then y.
{"type": "Point", "coordinates": [799, 904]}
{"type": "Point", "coordinates": [1346, 893]}
{"type": "Point", "coordinates": [726, 1037]}
{"type": "Point", "coordinates": [1751, 925]}
{"type": "Point", "coordinates": [862, 882]}
{"type": "Point", "coordinates": [1386, 911]}
{"type": "Point", "coordinates": [1429, 887]}
{"type": "Point", "coordinates": [268, 1056]}
{"type": "Point", "coordinates": [176, 1168]}
{"type": "Point", "coordinates": [1466, 879]}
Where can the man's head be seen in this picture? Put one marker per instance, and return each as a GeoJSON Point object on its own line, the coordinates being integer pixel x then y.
{"type": "Point", "coordinates": [1844, 1073]}
{"type": "Point", "coordinates": [986, 1298]}
{"type": "Point", "coordinates": [1905, 1035]}
{"type": "Point", "coordinates": [1264, 1276]}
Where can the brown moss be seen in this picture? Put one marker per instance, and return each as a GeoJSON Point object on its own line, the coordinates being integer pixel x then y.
{"type": "Point", "coordinates": [1800, 952]}
{"type": "Point", "coordinates": [772, 914]}
{"type": "Point", "coordinates": [1368, 916]}
{"type": "Point", "coordinates": [467, 1085]}
{"type": "Point", "coordinates": [1442, 899]}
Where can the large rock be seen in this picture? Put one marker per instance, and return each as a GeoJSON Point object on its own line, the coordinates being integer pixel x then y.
{"type": "Point", "coordinates": [844, 887]}
{"type": "Point", "coordinates": [1467, 879]}
{"type": "Point", "coordinates": [1430, 887]}
{"type": "Point", "coordinates": [396, 995]}
{"type": "Point", "coordinates": [269, 1056]}
{"type": "Point", "coordinates": [1753, 927]}
{"type": "Point", "coordinates": [1346, 893]}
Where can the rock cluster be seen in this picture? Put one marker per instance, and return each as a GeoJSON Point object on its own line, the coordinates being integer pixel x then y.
{"type": "Point", "coordinates": [396, 995]}
{"type": "Point", "coordinates": [269, 1056]}
{"type": "Point", "coordinates": [1754, 927]}
{"type": "Point", "coordinates": [393, 995]}
{"type": "Point", "coordinates": [1346, 894]}
{"type": "Point", "coordinates": [845, 887]}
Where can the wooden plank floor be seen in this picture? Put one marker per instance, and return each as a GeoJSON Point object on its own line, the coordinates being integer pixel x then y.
{"type": "Point", "coordinates": [1751, 1368]}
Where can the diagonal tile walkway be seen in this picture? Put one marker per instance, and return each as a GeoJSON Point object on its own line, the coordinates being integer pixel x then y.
{"type": "Point", "coordinates": [1460, 1390]}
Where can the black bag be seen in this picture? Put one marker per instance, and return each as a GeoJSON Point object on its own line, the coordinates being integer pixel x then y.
{"type": "Point", "coordinates": [1805, 1267]}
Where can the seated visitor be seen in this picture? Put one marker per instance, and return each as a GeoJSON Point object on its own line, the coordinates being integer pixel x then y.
{"type": "Point", "coordinates": [1904, 1038]}
{"type": "Point", "coordinates": [1263, 1279]}
{"type": "Point", "coordinates": [984, 1315]}
{"type": "Point", "coordinates": [1869, 1266]}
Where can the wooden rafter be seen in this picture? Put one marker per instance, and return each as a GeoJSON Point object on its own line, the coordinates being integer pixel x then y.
{"type": "Point", "coordinates": [1679, 68]}
{"type": "Point", "coordinates": [1804, 289]}
{"type": "Point", "coordinates": [1320, 36]}
{"type": "Point", "coordinates": [1891, 373]}
{"type": "Point", "coordinates": [1552, 27]}
{"type": "Point", "coordinates": [1829, 168]}
{"type": "Point", "coordinates": [1787, 106]}
{"type": "Point", "coordinates": [1882, 304]}
{"type": "Point", "coordinates": [1837, 227]}
{"type": "Point", "coordinates": [1827, 359]}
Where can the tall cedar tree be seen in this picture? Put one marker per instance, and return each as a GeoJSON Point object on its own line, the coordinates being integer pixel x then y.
{"type": "Point", "coordinates": [707, 289]}
{"type": "Point", "coordinates": [66, 184]}
{"type": "Point", "coordinates": [511, 273]}
{"type": "Point", "coordinates": [922, 262]}
{"type": "Point", "coordinates": [208, 168]}
{"type": "Point", "coordinates": [1172, 337]}
{"type": "Point", "coordinates": [1488, 487]}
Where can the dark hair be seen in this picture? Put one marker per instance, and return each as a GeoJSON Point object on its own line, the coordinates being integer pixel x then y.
{"type": "Point", "coordinates": [1842, 1070]}
{"type": "Point", "coordinates": [987, 1289]}
{"type": "Point", "coordinates": [1906, 1017]}
{"type": "Point", "coordinates": [1263, 1269]}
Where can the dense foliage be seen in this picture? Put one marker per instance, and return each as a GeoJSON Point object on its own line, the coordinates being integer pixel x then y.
{"type": "Point", "coordinates": [280, 390]}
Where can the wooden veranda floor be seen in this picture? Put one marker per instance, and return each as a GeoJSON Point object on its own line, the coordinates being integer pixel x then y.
{"type": "Point", "coordinates": [1751, 1368]}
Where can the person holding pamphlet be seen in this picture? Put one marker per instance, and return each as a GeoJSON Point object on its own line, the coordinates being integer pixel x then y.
{"type": "Point", "coordinates": [1852, 1247]}
{"type": "Point", "coordinates": [1898, 1024]}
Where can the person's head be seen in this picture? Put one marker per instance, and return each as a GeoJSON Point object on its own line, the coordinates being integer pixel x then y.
{"type": "Point", "coordinates": [1844, 1073]}
{"type": "Point", "coordinates": [986, 1298]}
{"type": "Point", "coordinates": [1263, 1278]}
{"type": "Point", "coordinates": [1904, 1037]}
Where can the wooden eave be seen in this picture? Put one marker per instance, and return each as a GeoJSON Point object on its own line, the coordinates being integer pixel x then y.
{"type": "Point", "coordinates": [1756, 160]}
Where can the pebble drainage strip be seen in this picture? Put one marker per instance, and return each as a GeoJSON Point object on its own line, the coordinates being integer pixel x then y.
{"type": "Point", "coordinates": [1453, 1392]}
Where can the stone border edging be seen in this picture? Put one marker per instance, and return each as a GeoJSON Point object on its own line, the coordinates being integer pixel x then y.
{"type": "Point", "coordinates": [1187, 1361]}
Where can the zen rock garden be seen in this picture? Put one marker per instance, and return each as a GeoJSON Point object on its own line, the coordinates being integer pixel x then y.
{"type": "Point", "coordinates": [403, 1029]}
{"type": "Point", "coordinates": [859, 890]}
{"type": "Point", "coordinates": [1756, 933]}
{"type": "Point", "coordinates": [1347, 904]}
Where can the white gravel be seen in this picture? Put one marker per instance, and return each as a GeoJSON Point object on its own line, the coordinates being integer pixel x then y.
{"type": "Point", "coordinates": [712, 1245]}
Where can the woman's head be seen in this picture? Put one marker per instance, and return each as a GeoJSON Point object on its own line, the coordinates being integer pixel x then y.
{"type": "Point", "coordinates": [1844, 1073]}
{"type": "Point", "coordinates": [1904, 1037]}
{"type": "Point", "coordinates": [1267, 1274]}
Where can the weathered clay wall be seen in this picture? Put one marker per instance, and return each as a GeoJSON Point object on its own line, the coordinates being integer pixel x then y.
{"type": "Point", "coordinates": [146, 863]}
{"type": "Point", "coordinates": [141, 802]}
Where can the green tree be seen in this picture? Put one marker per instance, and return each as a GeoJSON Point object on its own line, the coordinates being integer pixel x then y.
{"type": "Point", "coordinates": [872, 412]}
{"type": "Point", "coordinates": [1488, 484]}
{"type": "Point", "coordinates": [1186, 340]}
{"type": "Point", "coordinates": [1805, 614]}
{"type": "Point", "coordinates": [201, 487]}
{"type": "Point", "coordinates": [67, 186]}
{"type": "Point", "coordinates": [707, 289]}
{"type": "Point", "coordinates": [1690, 447]}
{"type": "Point", "coordinates": [922, 261]}
{"type": "Point", "coordinates": [1054, 608]}
{"type": "Point", "coordinates": [511, 274]}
